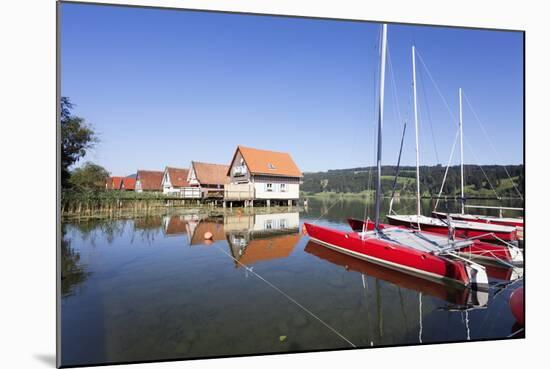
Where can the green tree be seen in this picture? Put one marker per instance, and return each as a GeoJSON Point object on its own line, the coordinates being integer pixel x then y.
{"type": "Point", "coordinates": [77, 137]}
{"type": "Point", "coordinates": [89, 178]}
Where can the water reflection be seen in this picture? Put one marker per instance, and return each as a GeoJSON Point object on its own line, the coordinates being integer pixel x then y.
{"type": "Point", "coordinates": [154, 288]}
{"type": "Point", "coordinates": [175, 225]}
{"type": "Point", "coordinates": [261, 237]}
{"type": "Point", "coordinates": [198, 228]}
{"type": "Point", "coordinates": [73, 272]}
{"type": "Point", "coordinates": [458, 296]}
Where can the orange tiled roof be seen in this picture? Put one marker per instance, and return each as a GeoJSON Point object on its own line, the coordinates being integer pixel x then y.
{"type": "Point", "coordinates": [113, 183]}
{"type": "Point", "coordinates": [178, 176]}
{"type": "Point", "coordinates": [128, 183]}
{"type": "Point", "coordinates": [117, 181]}
{"type": "Point", "coordinates": [268, 162]}
{"type": "Point", "coordinates": [150, 180]}
{"type": "Point", "coordinates": [211, 173]}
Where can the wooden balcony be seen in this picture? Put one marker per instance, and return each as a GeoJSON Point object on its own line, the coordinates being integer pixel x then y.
{"type": "Point", "coordinates": [239, 192]}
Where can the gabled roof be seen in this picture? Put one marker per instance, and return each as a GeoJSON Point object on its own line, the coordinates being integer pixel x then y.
{"type": "Point", "coordinates": [128, 183]}
{"type": "Point", "coordinates": [116, 182]}
{"type": "Point", "coordinates": [207, 173]}
{"type": "Point", "coordinates": [178, 176]}
{"type": "Point", "coordinates": [150, 180]}
{"type": "Point", "coordinates": [268, 162]}
{"type": "Point", "coordinates": [113, 183]}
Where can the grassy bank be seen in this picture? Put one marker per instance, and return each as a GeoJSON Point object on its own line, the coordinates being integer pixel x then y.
{"type": "Point", "coordinates": [75, 203]}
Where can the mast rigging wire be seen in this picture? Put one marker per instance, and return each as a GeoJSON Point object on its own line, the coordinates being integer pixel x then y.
{"type": "Point", "coordinates": [455, 119]}
{"type": "Point", "coordinates": [489, 140]}
{"type": "Point", "coordinates": [429, 115]}
{"type": "Point", "coordinates": [446, 170]}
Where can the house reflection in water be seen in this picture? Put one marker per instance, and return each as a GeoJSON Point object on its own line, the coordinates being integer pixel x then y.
{"type": "Point", "coordinates": [196, 230]}
{"type": "Point", "coordinates": [175, 225]}
{"type": "Point", "coordinates": [261, 237]}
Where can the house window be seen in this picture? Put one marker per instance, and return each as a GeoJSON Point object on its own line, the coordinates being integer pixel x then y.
{"type": "Point", "coordinates": [282, 223]}
{"type": "Point", "coordinates": [269, 224]}
{"type": "Point", "coordinates": [271, 166]}
{"type": "Point", "coordinates": [269, 187]}
{"type": "Point", "coordinates": [283, 187]}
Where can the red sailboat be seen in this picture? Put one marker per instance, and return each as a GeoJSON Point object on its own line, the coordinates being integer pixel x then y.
{"type": "Point", "coordinates": [503, 221]}
{"type": "Point", "coordinates": [403, 250]}
{"type": "Point", "coordinates": [464, 229]}
{"type": "Point", "coordinates": [456, 296]}
{"type": "Point", "coordinates": [397, 248]}
{"type": "Point", "coordinates": [483, 252]}
{"type": "Point", "coordinates": [510, 222]}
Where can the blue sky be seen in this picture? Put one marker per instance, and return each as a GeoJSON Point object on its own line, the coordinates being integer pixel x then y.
{"type": "Point", "coordinates": [164, 87]}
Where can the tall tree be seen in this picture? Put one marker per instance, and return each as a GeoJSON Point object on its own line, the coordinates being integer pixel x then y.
{"type": "Point", "coordinates": [77, 137]}
{"type": "Point", "coordinates": [89, 178]}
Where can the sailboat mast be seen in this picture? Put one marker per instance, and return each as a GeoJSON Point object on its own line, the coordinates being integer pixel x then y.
{"type": "Point", "coordinates": [416, 135]}
{"type": "Point", "coordinates": [380, 124]}
{"type": "Point", "coordinates": [461, 151]}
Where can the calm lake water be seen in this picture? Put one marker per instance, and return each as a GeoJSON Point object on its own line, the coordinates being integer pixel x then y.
{"type": "Point", "coordinates": [151, 288]}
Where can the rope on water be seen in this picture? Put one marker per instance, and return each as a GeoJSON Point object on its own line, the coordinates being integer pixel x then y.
{"type": "Point", "coordinates": [288, 297]}
{"type": "Point", "coordinates": [328, 209]}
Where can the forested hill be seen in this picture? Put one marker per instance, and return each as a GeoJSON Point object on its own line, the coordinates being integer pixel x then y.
{"type": "Point", "coordinates": [356, 180]}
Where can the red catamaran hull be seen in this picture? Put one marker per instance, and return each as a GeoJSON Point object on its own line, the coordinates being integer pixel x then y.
{"type": "Point", "coordinates": [391, 255]}
{"type": "Point", "coordinates": [458, 296]}
{"type": "Point", "coordinates": [478, 249]}
{"type": "Point", "coordinates": [483, 235]}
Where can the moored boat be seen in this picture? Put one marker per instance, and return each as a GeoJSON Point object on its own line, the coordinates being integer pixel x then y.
{"type": "Point", "coordinates": [463, 229]}
{"type": "Point", "coordinates": [464, 297]}
{"type": "Point", "coordinates": [475, 249]}
{"type": "Point", "coordinates": [509, 222]}
{"type": "Point", "coordinates": [401, 249]}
